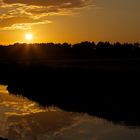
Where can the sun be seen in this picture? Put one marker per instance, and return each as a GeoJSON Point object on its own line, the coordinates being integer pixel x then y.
{"type": "Point", "coordinates": [28, 36]}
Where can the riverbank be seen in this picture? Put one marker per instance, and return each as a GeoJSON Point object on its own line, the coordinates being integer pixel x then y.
{"type": "Point", "coordinates": [107, 93]}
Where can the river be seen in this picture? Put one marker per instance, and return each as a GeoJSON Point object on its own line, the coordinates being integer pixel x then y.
{"type": "Point", "coordinates": [23, 119]}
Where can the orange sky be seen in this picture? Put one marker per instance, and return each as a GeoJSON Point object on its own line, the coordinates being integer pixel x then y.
{"type": "Point", "coordinates": [69, 20]}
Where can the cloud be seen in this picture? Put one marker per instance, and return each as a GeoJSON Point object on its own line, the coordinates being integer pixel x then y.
{"type": "Point", "coordinates": [15, 12]}
{"type": "Point", "coordinates": [58, 3]}
{"type": "Point", "coordinates": [24, 26]}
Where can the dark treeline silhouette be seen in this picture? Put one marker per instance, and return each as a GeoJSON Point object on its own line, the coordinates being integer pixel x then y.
{"type": "Point", "coordinates": [101, 79]}
{"type": "Point", "coordinates": [18, 52]}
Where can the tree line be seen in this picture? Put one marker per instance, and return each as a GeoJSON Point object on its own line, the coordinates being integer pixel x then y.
{"type": "Point", "coordinates": [80, 50]}
{"type": "Point", "coordinates": [81, 45]}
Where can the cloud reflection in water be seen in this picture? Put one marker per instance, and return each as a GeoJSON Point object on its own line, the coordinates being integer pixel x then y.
{"type": "Point", "coordinates": [22, 119]}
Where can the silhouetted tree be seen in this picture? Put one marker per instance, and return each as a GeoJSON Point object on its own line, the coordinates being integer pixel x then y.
{"type": "Point", "coordinates": [66, 45]}
{"type": "Point", "coordinates": [84, 45]}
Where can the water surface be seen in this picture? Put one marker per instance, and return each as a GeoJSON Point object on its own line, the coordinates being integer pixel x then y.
{"type": "Point", "coordinates": [22, 119]}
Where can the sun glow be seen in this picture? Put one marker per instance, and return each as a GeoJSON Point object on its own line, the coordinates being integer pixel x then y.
{"type": "Point", "coordinates": [28, 36]}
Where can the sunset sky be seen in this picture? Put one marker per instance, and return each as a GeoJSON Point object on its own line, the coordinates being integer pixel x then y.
{"type": "Point", "coordinates": [69, 20]}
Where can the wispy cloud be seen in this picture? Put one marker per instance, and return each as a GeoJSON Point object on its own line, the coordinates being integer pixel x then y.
{"type": "Point", "coordinates": [24, 26]}
{"type": "Point", "coordinates": [23, 14]}
{"type": "Point", "coordinates": [58, 3]}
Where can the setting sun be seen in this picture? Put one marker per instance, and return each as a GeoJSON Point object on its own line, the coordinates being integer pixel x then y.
{"type": "Point", "coordinates": [28, 36]}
